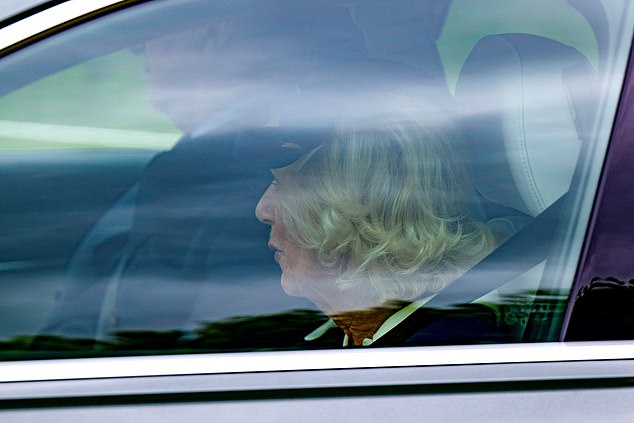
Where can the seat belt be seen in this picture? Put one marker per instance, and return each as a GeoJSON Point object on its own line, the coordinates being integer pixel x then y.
{"type": "Point", "coordinates": [520, 253]}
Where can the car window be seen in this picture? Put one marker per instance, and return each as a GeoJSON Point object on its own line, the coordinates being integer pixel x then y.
{"type": "Point", "coordinates": [283, 175]}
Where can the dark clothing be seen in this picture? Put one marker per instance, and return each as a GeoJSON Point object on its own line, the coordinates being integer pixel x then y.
{"type": "Point", "coordinates": [181, 247]}
{"type": "Point", "coordinates": [469, 324]}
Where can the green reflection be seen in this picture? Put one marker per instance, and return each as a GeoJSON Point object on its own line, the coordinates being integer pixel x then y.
{"type": "Point", "coordinates": [523, 316]}
{"type": "Point", "coordinates": [468, 21]}
{"type": "Point", "coordinates": [102, 103]}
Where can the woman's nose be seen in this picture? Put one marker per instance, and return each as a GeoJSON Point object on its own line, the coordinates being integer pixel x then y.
{"type": "Point", "coordinates": [264, 211]}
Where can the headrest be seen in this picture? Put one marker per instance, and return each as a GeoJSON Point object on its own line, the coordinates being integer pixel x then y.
{"type": "Point", "coordinates": [521, 120]}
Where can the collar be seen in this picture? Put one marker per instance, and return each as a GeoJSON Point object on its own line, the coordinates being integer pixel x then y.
{"type": "Point", "coordinates": [393, 321]}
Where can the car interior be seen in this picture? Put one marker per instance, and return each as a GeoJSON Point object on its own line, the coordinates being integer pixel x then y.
{"type": "Point", "coordinates": [526, 104]}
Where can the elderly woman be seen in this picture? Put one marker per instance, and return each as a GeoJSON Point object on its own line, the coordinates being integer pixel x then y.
{"type": "Point", "coordinates": [372, 223]}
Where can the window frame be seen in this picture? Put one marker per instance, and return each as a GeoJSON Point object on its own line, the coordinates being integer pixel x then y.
{"type": "Point", "coordinates": [54, 19]}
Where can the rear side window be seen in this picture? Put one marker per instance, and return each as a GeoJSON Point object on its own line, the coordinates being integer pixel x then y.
{"type": "Point", "coordinates": [198, 176]}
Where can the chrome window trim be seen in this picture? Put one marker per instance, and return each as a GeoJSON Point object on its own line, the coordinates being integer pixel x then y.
{"type": "Point", "coordinates": [575, 373]}
{"type": "Point", "coordinates": [227, 363]}
{"type": "Point", "coordinates": [50, 18]}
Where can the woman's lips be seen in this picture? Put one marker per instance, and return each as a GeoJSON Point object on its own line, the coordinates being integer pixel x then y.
{"type": "Point", "coordinates": [278, 252]}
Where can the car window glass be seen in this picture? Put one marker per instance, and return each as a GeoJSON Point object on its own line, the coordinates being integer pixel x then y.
{"type": "Point", "coordinates": [102, 94]}
{"type": "Point", "coordinates": [203, 176]}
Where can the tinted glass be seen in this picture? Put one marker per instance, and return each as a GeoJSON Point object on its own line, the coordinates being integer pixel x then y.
{"type": "Point", "coordinates": [201, 176]}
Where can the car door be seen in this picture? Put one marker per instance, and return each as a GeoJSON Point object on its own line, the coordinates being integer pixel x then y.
{"type": "Point", "coordinates": [136, 146]}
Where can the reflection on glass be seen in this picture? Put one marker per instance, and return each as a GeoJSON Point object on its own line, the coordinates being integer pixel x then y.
{"type": "Point", "coordinates": [286, 331]}
{"type": "Point", "coordinates": [388, 188]}
{"type": "Point", "coordinates": [182, 245]}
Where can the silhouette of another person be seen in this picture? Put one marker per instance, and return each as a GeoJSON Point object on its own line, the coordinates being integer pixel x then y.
{"type": "Point", "coordinates": [182, 245]}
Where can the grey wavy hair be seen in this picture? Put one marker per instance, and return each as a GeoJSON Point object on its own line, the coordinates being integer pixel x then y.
{"type": "Point", "coordinates": [386, 208]}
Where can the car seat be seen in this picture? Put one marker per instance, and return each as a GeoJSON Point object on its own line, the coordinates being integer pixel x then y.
{"type": "Point", "coordinates": [524, 123]}
{"type": "Point", "coordinates": [519, 118]}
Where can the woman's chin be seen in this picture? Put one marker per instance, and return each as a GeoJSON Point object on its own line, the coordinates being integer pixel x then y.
{"type": "Point", "coordinates": [289, 287]}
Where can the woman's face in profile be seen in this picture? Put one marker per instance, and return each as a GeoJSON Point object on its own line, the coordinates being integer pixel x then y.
{"type": "Point", "coordinates": [302, 273]}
